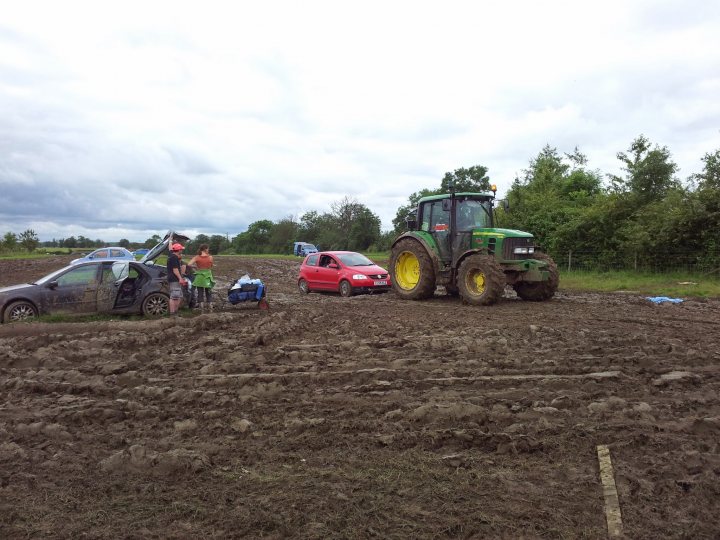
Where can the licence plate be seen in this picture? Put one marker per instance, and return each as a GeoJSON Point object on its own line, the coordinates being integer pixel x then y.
{"type": "Point", "coordinates": [379, 283]}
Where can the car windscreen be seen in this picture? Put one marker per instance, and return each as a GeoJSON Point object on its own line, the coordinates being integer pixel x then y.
{"type": "Point", "coordinates": [354, 259]}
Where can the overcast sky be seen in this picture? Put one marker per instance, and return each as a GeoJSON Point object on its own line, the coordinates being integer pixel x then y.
{"type": "Point", "coordinates": [125, 119]}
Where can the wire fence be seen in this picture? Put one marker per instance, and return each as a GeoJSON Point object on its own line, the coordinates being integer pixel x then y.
{"type": "Point", "coordinates": [693, 263]}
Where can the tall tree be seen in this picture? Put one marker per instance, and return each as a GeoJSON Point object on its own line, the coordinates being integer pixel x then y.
{"type": "Point", "coordinates": [283, 234]}
{"type": "Point", "coordinates": [29, 240]}
{"type": "Point", "coordinates": [10, 241]}
{"type": "Point", "coordinates": [551, 199]}
{"type": "Point", "coordinates": [710, 175]}
{"type": "Point", "coordinates": [218, 243]}
{"type": "Point", "coordinates": [153, 241]}
{"type": "Point", "coordinates": [471, 180]}
{"type": "Point", "coordinates": [345, 213]}
{"type": "Point", "coordinates": [649, 171]}
{"type": "Point", "coordinates": [365, 230]}
{"type": "Point", "coordinates": [255, 239]}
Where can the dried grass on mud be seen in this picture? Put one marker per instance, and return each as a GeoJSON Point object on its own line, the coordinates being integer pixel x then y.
{"type": "Point", "coordinates": [361, 417]}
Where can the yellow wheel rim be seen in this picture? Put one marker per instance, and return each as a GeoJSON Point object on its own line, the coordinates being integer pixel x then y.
{"type": "Point", "coordinates": [407, 271]}
{"type": "Point", "coordinates": [475, 282]}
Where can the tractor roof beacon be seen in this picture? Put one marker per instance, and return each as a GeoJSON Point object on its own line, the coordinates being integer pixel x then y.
{"type": "Point", "coordinates": [452, 241]}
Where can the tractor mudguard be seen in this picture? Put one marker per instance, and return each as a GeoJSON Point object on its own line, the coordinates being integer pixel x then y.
{"type": "Point", "coordinates": [426, 240]}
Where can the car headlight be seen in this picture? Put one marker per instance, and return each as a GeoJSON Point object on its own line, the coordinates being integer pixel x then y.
{"type": "Point", "coordinates": [524, 250]}
{"type": "Point", "coordinates": [360, 276]}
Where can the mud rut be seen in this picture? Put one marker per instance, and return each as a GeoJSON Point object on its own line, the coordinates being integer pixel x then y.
{"type": "Point", "coordinates": [331, 417]}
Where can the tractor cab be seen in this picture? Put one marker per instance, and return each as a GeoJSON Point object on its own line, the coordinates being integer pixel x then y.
{"type": "Point", "coordinates": [451, 219]}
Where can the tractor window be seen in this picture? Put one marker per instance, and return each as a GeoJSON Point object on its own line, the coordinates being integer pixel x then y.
{"type": "Point", "coordinates": [472, 214]}
{"type": "Point", "coordinates": [434, 218]}
{"type": "Point", "coordinates": [425, 217]}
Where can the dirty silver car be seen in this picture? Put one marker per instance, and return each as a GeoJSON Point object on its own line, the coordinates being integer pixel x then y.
{"type": "Point", "coordinates": [122, 287]}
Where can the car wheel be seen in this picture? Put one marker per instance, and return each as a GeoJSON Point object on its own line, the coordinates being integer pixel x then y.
{"type": "Point", "coordinates": [303, 286]}
{"type": "Point", "coordinates": [156, 304]}
{"type": "Point", "coordinates": [345, 288]}
{"type": "Point", "coordinates": [19, 311]}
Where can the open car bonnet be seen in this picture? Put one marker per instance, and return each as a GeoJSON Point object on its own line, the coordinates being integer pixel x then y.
{"type": "Point", "coordinates": [160, 248]}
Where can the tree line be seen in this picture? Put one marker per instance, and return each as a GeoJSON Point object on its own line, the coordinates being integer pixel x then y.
{"type": "Point", "coordinates": [644, 212]}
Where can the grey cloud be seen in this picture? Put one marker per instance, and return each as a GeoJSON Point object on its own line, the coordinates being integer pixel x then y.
{"type": "Point", "coordinates": [190, 162]}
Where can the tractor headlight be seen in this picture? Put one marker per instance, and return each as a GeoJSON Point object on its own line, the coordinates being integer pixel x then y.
{"type": "Point", "coordinates": [524, 250]}
{"type": "Point", "coordinates": [360, 276]}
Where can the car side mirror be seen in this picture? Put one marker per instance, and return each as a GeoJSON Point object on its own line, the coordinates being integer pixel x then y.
{"type": "Point", "coordinates": [52, 284]}
{"type": "Point", "coordinates": [333, 265]}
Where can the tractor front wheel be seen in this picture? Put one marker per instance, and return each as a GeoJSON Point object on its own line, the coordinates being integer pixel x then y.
{"type": "Point", "coordinates": [537, 291]}
{"type": "Point", "coordinates": [412, 270]}
{"type": "Point", "coordinates": [480, 280]}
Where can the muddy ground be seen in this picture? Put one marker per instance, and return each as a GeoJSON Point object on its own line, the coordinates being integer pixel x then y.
{"type": "Point", "coordinates": [330, 417]}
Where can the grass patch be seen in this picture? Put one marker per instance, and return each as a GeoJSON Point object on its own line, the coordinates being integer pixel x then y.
{"type": "Point", "coordinates": [677, 285]}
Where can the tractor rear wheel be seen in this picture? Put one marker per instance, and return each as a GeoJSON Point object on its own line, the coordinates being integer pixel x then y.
{"type": "Point", "coordinates": [537, 291]}
{"type": "Point", "coordinates": [480, 280]}
{"type": "Point", "coordinates": [412, 270]}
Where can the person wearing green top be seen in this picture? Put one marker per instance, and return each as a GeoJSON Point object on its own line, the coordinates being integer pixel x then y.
{"type": "Point", "coordinates": [203, 280]}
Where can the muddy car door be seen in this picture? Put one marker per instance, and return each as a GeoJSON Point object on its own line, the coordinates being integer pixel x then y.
{"type": "Point", "coordinates": [73, 291]}
{"type": "Point", "coordinates": [112, 279]}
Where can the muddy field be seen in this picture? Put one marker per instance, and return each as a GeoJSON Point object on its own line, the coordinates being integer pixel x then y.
{"type": "Point", "coordinates": [330, 417]}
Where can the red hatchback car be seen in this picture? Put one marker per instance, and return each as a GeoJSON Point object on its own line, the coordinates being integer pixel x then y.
{"type": "Point", "coordinates": [345, 272]}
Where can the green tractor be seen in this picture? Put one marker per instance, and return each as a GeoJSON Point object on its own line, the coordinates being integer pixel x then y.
{"type": "Point", "coordinates": [452, 242]}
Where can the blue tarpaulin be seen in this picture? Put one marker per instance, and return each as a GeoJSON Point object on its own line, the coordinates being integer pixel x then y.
{"type": "Point", "coordinates": [661, 299]}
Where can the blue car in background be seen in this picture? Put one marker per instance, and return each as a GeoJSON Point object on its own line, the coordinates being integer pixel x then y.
{"type": "Point", "coordinates": [301, 249]}
{"type": "Point", "coordinates": [106, 254]}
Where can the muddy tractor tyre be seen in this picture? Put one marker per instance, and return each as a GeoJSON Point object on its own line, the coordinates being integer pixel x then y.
{"type": "Point", "coordinates": [19, 311]}
{"type": "Point", "coordinates": [480, 280]}
{"type": "Point", "coordinates": [412, 270]}
{"type": "Point", "coordinates": [538, 291]}
{"type": "Point", "coordinates": [156, 304]}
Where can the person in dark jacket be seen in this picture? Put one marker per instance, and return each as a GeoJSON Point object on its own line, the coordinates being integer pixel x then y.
{"type": "Point", "coordinates": [176, 281]}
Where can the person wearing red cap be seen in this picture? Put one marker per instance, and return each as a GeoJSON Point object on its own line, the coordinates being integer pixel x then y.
{"type": "Point", "coordinates": [175, 279]}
